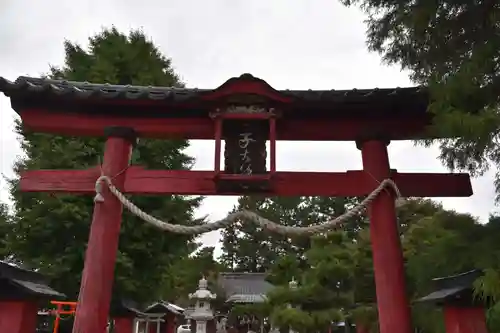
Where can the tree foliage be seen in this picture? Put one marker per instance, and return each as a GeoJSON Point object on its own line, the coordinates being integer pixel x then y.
{"type": "Point", "coordinates": [50, 232]}
{"type": "Point", "coordinates": [324, 290]}
{"type": "Point", "coordinates": [454, 48]}
{"type": "Point", "coordinates": [436, 243]}
{"type": "Point", "coordinates": [187, 273]}
{"type": "Point", "coordinates": [5, 227]}
{"type": "Point", "coordinates": [248, 248]}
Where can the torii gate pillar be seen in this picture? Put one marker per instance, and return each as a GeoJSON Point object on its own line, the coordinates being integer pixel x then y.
{"type": "Point", "coordinates": [98, 273]}
{"type": "Point", "coordinates": [175, 113]}
{"type": "Point", "coordinates": [393, 307]}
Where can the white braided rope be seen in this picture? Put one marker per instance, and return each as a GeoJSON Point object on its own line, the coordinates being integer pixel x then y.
{"type": "Point", "coordinates": [243, 215]}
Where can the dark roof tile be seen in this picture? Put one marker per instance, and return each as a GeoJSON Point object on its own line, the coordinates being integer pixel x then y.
{"type": "Point", "coordinates": [125, 308]}
{"type": "Point", "coordinates": [83, 90]}
{"type": "Point", "coordinates": [38, 289]}
{"type": "Point", "coordinates": [10, 271]}
{"type": "Point", "coordinates": [246, 298]}
{"type": "Point", "coordinates": [65, 88]}
{"type": "Point", "coordinates": [164, 307]}
{"type": "Point", "coordinates": [463, 280]}
{"type": "Point", "coordinates": [452, 287]}
{"type": "Point", "coordinates": [31, 282]}
{"type": "Point", "coordinates": [244, 284]}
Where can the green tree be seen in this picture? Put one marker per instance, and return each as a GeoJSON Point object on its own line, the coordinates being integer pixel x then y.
{"type": "Point", "coordinates": [447, 243]}
{"type": "Point", "coordinates": [247, 247]}
{"type": "Point", "coordinates": [487, 249]}
{"type": "Point", "coordinates": [454, 48]}
{"type": "Point", "coordinates": [285, 269]}
{"type": "Point", "coordinates": [5, 226]}
{"type": "Point", "coordinates": [188, 273]}
{"type": "Point", "coordinates": [433, 240]}
{"type": "Point", "coordinates": [414, 210]}
{"type": "Point", "coordinates": [364, 309]}
{"type": "Point", "coordinates": [325, 287]}
{"type": "Point", "coordinates": [50, 232]}
{"type": "Point", "coordinates": [436, 243]}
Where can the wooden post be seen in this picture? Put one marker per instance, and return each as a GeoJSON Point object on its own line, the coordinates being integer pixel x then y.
{"type": "Point", "coordinates": [218, 143]}
{"type": "Point", "coordinates": [465, 319]}
{"type": "Point", "coordinates": [124, 325]}
{"type": "Point", "coordinates": [57, 320]}
{"type": "Point", "coordinates": [170, 321]}
{"type": "Point", "coordinates": [153, 326]}
{"type": "Point", "coordinates": [272, 145]}
{"type": "Point", "coordinates": [18, 316]}
{"type": "Point", "coordinates": [392, 301]}
{"type": "Point", "coordinates": [97, 280]}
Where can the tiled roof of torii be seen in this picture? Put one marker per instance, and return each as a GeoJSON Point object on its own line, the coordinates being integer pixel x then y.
{"type": "Point", "coordinates": [28, 86]}
{"type": "Point", "coordinates": [57, 106]}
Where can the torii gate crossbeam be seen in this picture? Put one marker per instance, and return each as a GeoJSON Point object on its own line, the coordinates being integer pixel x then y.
{"type": "Point", "coordinates": [122, 113]}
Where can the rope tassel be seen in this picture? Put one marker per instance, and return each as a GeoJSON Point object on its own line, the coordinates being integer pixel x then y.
{"type": "Point", "coordinates": [98, 189]}
{"type": "Point", "coordinates": [245, 215]}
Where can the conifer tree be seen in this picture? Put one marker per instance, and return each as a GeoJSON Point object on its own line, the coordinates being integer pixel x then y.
{"type": "Point", "coordinates": [249, 248]}
{"type": "Point", "coordinates": [51, 232]}
{"type": "Point", "coordinates": [453, 47]}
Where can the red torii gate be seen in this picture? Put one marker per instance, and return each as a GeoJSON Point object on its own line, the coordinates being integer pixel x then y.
{"type": "Point", "coordinates": [245, 112]}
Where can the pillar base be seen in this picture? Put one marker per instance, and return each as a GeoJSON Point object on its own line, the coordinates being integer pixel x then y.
{"type": "Point", "coordinates": [465, 319]}
{"type": "Point", "coordinates": [18, 316]}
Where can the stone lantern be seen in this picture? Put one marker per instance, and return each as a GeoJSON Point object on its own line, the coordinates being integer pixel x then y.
{"type": "Point", "coordinates": [202, 312]}
{"type": "Point", "coordinates": [293, 286]}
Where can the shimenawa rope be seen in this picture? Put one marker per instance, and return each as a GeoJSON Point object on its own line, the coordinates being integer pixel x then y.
{"type": "Point", "coordinates": [244, 215]}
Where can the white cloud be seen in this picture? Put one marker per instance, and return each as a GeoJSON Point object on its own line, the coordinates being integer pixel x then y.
{"type": "Point", "coordinates": [296, 44]}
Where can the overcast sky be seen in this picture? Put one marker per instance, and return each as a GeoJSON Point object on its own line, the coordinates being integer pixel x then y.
{"type": "Point", "coordinates": [292, 44]}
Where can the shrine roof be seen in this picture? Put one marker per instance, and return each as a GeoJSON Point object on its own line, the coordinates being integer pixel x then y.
{"type": "Point", "coordinates": [19, 282]}
{"type": "Point", "coordinates": [246, 298]}
{"type": "Point", "coordinates": [61, 90]}
{"type": "Point", "coordinates": [453, 288]}
{"type": "Point", "coordinates": [244, 287]}
{"type": "Point", "coordinates": [462, 280]}
{"type": "Point", "coordinates": [125, 308]}
{"type": "Point", "coordinates": [163, 307]}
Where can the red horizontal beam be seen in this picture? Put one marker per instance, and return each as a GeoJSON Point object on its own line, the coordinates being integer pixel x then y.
{"type": "Point", "coordinates": [433, 184]}
{"type": "Point", "coordinates": [156, 182]}
{"type": "Point", "coordinates": [246, 116]}
{"type": "Point", "coordinates": [72, 181]}
{"type": "Point", "coordinates": [78, 124]}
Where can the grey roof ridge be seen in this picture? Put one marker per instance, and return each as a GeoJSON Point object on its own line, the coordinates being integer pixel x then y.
{"type": "Point", "coordinates": [33, 83]}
